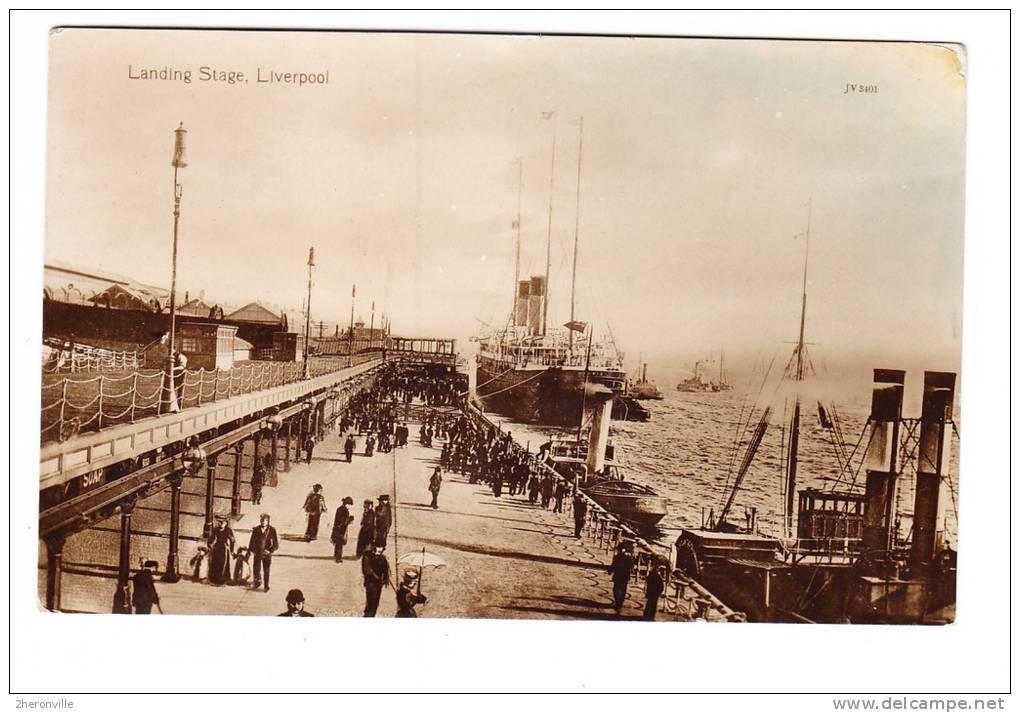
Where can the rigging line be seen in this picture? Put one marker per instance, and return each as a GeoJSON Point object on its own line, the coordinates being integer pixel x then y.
{"type": "Point", "coordinates": [860, 466]}
{"type": "Point", "coordinates": [736, 438]}
{"type": "Point", "coordinates": [478, 386]}
{"type": "Point", "coordinates": [837, 421]}
{"type": "Point", "coordinates": [512, 386]}
{"type": "Point", "coordinates": [860, 439]}
{"type": "Point", "coordinates": [743, 431]}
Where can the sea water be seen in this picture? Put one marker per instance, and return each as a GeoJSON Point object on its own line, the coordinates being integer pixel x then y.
{"type": "Point", "coordinates": [692, 446]}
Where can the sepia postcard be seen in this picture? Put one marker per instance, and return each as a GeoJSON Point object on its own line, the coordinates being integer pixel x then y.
{"type": "Point", "coordinates": [384, 324]}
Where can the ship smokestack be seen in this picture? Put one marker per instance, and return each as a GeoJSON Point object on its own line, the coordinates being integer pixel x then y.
{"type": "Point", "coordinates": [881, 459]}
{"type": "Point", "coordinates": [535, 303]}
{"type": "Point", "coordinates": [932, 467]}
{"type": "Point", "coordinates": [521, 306]}
{"type": "Point", "coordinates": [599, 401]}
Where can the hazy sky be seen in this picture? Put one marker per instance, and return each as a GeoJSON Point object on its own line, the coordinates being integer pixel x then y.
{"type": "Point", "coordinates": [700, 157]}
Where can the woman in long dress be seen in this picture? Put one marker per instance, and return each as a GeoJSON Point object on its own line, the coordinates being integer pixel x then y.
{"type": "Point", "coordinates": [221, 547]}
{"type": "Point", "coordinates": [366, 534]}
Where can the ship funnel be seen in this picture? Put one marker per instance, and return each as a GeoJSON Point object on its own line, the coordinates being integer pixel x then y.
{"type": "Point", "coordinates": [600, 405]}
{"type": "Point", "coordinates": [522, 304]}
{"type": "Point", "coordinates": [932, 467]}
{"type": "Point", "coordinates": [535, 303]}
{"type": "Point", "coordinates": [880, 459]}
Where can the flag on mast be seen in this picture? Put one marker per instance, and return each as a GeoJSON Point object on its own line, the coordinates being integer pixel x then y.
{"type": "Point", "coordinates": [548, 114]}
{"type": "Point", "coordinates": [576, 326]}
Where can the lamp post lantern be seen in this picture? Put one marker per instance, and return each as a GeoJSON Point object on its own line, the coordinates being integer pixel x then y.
{"type": "Point", "coordinates": [179, 161]}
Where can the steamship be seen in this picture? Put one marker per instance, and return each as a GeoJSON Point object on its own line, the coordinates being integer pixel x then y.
{"type": "Point", "coordinates": [538, 377]}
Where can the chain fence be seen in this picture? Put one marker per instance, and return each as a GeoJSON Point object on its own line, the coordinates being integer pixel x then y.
{"type": "Point", "coordinates": [74, 403]}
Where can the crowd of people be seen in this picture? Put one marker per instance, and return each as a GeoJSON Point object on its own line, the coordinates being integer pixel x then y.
{"type": "Point", "coordinates": [470, 447]}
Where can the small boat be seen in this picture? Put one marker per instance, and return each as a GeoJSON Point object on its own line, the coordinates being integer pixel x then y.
{"type": "Point", "coordinates": [632, 501]}
{"type": "Point", "coordinates": [637, 504]}
{"type": "Point", "coordinates": [698, 383]}
{"type": "Point", "coordinates": [643, 388]}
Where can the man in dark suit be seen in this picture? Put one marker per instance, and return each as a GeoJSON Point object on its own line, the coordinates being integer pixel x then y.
{"type": "Point", "coordinates": [580, 512]}
{"type": "Point", "coordinates": [295, 604]}
{"type": "Point", "coordinates": [341, 521]}
{"type": "Point", "coordinates": [263, 543]}
{"type": "Point", "coordinates": [383, 520]}
{"type": "Point", "coordinates": [620, 568]}
{"type": "Point", "coordinates": [144, 595]}
{"type": "Point", "coordinates": [376, 570]}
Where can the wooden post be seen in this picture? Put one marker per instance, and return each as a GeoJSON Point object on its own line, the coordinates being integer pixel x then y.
{"type": "Point", "coordinates": [63, 402]}
{"type": "Point", "coordinates": [286, 449]}
{"type": "Point", "coordinates": [271, 479]}
{"type": "Point", "coordinates": [172, 573]}
{"type": "Point", "coordinates": [101, 380]}
{"type": "Point", "coordinates": [54, 568]}
{"type": "Point", "coordinates": [162, 390]}
{"type": "Point", "coordinates": [235, 487]}
{"type": "Point", "coordinates": [210, 494]}
{"type": "Point", "coordinates": [134, 395]}
{"type": "Point", "coordinates": [122, 597]}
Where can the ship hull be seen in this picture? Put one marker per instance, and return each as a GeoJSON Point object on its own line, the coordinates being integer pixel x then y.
{"type": "Point", "coordinates": [550, 396]}
{"type": "Point", "coordinates": [643, 511]}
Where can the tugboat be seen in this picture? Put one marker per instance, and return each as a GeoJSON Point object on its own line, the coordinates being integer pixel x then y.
{"type": "Point", "coordinates": [591, 464]}
{"type": "Point", "coordinates": [643, 388]}
{"type": "Point", "coordinates": [699, 384]}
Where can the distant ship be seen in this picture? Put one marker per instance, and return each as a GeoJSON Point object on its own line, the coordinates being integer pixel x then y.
{"type": "Point", "coordinates": [699, 383]}
{"type": "Point", "coordinates": [643, 388]}
{"type": "Point", "coordinates": [536, 374]}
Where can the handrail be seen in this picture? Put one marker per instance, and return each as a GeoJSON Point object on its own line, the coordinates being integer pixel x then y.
{"type": "Point", "coordinates": [684, 597]}
{"type": "Point", "coordinates": [73, 404]}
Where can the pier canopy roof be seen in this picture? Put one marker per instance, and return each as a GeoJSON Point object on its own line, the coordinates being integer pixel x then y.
{"type": "Point", "coordinates": [128, 297]}
{"type": "Point", "coordinates": [254, 312]}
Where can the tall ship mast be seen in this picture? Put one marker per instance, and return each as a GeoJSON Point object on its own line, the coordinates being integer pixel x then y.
{"type": "Point", "coordinates": [841, 555]}
{"type": "Point", "coordinates": [528, 370]}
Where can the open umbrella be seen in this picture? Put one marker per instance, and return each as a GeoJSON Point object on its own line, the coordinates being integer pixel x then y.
{"type": "Point", "coordinates": [421, 560]}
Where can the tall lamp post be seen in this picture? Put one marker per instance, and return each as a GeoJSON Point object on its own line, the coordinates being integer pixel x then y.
{"type": "Point", "coordinates": [179, 161]}
{"type": "Point", "coordinates": [308, 307]}
{"type": "Point", "coordinates": [350, 335]}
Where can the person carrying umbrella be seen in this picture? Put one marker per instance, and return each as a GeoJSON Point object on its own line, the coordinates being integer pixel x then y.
{"type": "Point", "coordinates": [407, 598]}
{"type": "Point", "coordinates": [415, 564]}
